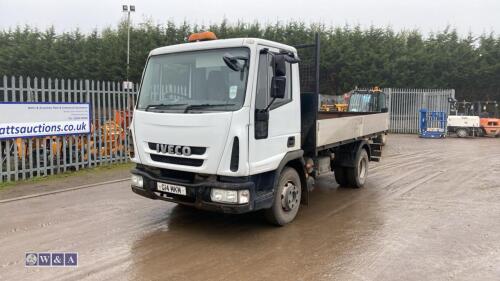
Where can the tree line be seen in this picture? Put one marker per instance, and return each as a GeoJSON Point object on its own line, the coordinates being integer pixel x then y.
{"type": "Point", "coordinates": [350, 55]}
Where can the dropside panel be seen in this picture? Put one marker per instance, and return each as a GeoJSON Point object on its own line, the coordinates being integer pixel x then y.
{"type": "Point", "coordinates": [347, 128]}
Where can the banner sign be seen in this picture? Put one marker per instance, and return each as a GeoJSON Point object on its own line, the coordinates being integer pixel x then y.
{"type": "Point", "coordinates": [23, 120]}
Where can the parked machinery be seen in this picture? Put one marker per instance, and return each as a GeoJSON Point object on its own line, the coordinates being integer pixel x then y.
{"type": "Point", "coordinates": [474, 118]}
{"type": "Point", "coordinates": [355, 101]}
{"type": "Point", "coordinates": [432, 124]}
{"type": "Point", "coordinates": [373, 100]}
{"type": "Point", "coordinates": [489, 118]}
{"type": "Point", "coordinates": [110, 141]}
{"type": "Point", "coordinates": [464, 126]}
{"type": "Point", "coordinates": [335, 103]}
{"type": "Point", "coordinates": [490, 127]}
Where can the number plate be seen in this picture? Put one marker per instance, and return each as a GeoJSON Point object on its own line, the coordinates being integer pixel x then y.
{"type": "Point", "coordinates": [171, 188]}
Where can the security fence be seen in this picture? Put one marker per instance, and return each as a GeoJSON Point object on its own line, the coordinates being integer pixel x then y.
{"type": "Point", "coordinates": [111, 113]}
{"type": "Point", "coordinates": [405, 104]}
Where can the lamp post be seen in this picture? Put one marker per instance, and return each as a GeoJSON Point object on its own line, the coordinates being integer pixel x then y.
{"type": "Point", "coordinates": [128, 9]}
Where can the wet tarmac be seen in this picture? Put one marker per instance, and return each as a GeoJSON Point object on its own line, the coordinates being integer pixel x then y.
{"type": "Point", "coordinates": [430, 211]}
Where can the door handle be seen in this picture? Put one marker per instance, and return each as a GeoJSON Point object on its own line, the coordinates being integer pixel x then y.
{"type": "Point", "coordinates": [291, 142]}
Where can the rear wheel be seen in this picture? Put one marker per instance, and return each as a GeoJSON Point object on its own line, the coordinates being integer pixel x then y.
{"type": "Point", "coordinates": [356, 176]}
{"type": "Point", "coordinates": [340, 176]}
{"type": "Point", "coordinates": [462, 132]}
{"type": "Point", "coordinates": [286, 198]}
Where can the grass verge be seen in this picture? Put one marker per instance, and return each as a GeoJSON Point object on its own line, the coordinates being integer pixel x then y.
{"type": "Point", "coordinates": [67, 174]}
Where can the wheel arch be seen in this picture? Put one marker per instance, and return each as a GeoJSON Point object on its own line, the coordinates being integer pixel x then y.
{"type": "Point", "coordinates": [367, 147]}
{"type": "Point", "coordinates": [295, 160]}
{"type": "Point", "coordinates": [345, 156]}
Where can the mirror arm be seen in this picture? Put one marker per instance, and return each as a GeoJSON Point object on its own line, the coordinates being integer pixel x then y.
{"type": "Point", "coordinates": [269, 105]}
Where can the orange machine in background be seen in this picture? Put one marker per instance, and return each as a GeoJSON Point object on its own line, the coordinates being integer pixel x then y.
{"type": "Point", "coordinates": [490, 126]}
{"type": "Point", "coordinates": [488, 112]}
{"type": "Point", "coordinates": [109, 137]}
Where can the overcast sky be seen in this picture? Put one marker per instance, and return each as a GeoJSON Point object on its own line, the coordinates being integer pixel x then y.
{"type": "Point", "coordinates": [477, 16]}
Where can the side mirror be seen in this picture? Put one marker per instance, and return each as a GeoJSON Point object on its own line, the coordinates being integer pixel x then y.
{"type": "Point", "coordinates": [279, 65]}
{"type": "Point", "coordinates": [278, 87]}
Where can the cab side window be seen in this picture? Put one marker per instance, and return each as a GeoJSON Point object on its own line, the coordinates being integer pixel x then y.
{"type": "Point", "coordinates": [264, 77]}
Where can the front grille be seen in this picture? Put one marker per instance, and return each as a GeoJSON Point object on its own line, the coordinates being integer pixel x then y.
{"type": "Point", "coordinates": [195, 150]}
{"type": "Point", "coordinates": [177, 160]}
{"type": "Point", "coordinates": [167, 174]}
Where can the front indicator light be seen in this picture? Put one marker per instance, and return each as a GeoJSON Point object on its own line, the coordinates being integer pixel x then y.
{"type": "Point", "coordinates": [243, 196]}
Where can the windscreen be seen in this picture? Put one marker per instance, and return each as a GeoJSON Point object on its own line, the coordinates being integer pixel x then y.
{"type": "Point", "coordinates": [198, 80]}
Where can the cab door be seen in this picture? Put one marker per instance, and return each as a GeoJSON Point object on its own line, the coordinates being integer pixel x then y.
{"type": "Point", "coordinates": [268, 147]}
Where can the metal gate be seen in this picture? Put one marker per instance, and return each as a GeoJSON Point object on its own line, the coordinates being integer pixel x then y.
{"type": "Point", "coordinates": [111, 114]}
{"type": "Point", "coordinates": [405, 104]}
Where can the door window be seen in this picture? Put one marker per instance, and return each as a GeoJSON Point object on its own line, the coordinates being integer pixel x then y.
{"type": "Point", "coordinates": [264, 77]}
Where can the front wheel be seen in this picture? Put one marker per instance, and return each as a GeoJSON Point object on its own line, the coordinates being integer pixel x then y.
{"type": "Point", "coordinates": [462, 133]}
{"type": "Point", "coordinates": [286, 198]}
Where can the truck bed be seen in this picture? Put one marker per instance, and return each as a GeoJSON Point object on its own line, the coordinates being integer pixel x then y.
{"type": "Point", "coordinates": [323, 130]}
{"type": "Point", "coordinates": [338, 127]}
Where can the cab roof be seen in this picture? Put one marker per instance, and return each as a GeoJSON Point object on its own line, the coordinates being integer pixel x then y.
{"type": "Point", "coordinates": [220, 43]}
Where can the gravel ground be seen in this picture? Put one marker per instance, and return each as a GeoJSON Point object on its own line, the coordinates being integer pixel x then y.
{"type": "Point", "coordinates": [430, 211]}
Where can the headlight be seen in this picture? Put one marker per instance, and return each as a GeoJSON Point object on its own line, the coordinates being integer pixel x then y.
{"type": "Point", "coordinates": [137, 181]}
{"type": "Point", "coordinates": [230, 196]}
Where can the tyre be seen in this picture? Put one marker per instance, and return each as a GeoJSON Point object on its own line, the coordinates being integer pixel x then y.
{"type": "Point", "coordinates": [340, 176]}
{"type": "Point", "coordinates": [462, 133]}
{"type": "Point", "coordinates": [286, 198]}
{"type": "Point", "coordinates": [357, 175]}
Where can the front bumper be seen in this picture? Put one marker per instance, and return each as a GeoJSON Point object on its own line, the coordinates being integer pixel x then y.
{"type": "Point", "coordinates": [198, 194]}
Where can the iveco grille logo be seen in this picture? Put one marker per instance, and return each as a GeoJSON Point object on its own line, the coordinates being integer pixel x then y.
{"type": "Point", "coordinates": [173, 149]}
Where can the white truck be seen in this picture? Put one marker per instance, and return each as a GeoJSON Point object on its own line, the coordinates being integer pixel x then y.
{"type": "Point", "coordinates": [222, 125]}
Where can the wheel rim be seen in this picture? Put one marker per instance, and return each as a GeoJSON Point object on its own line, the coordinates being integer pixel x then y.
{"type": "Point", "coordinates": [290, 197]}
{"type": "Point", "coordinates": [362, 169]}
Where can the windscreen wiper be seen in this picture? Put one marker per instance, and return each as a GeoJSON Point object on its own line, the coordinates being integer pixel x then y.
{"type": "Point", "coordinates": [232, 62]}
{"type": "Point", "coordinates": [162, 105]}
{"type": "Point", "coordinates": [193, 106]}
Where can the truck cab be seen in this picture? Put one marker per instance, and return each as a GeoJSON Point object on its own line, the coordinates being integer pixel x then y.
{"type": "Point", "coordinates": [218, 125]}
